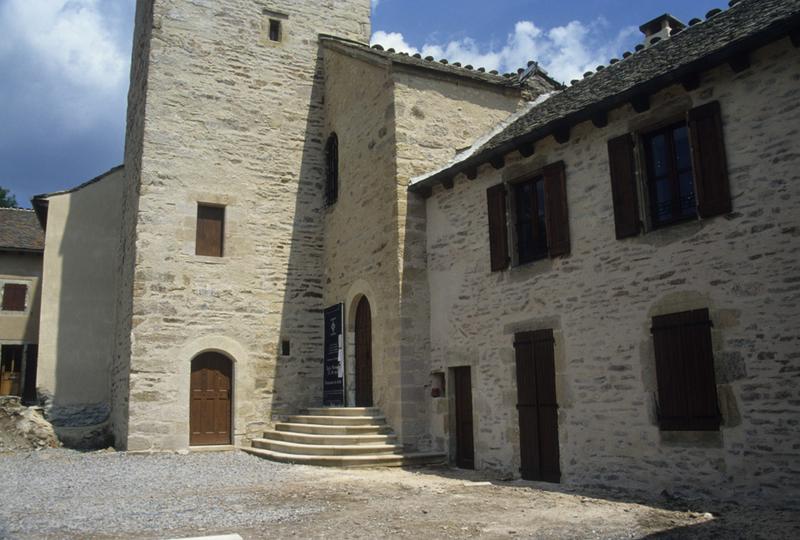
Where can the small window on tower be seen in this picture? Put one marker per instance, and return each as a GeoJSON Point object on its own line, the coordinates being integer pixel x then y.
{"type": "Point", "coordinates": [286, 348]}
{"type": "Point", "coordinates": [274, 30]}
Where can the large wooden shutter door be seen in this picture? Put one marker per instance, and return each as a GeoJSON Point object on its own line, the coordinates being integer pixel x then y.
{"type": "Point", "coordinates": [498, 228]}
{"type": "Point", "coordinates": [31, 358]}
{"type": "Point", "coordinates": [622, 162]}
{"type": "Point", "coordinates": [537, 406]}
{"type": "Point", "coordinates": [557, 215]}
{"type": "Point", "coordinates": [709, 160]}
{"type": "Point", "coordinates": [210, 230]}
{"type": "Point", "coordinates": [687, 391]}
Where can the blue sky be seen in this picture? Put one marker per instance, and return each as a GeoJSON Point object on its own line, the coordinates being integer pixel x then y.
{"type": "Point", "coordinates": [65, 65]}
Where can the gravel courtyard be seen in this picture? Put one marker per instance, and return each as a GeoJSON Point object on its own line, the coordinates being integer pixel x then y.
{"type": "Point", "coordinates": [63, 494]}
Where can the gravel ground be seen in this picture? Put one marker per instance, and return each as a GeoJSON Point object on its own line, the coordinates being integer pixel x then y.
{"type": "Point", "coordinates": [71, 494]}
{"type": "Point", "coordinates": [60, 494]}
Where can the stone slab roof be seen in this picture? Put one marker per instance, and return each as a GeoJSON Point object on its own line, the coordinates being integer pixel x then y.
{"type": "Point", "coordinates": [747, 25]}
{"type": "Point", "coordinates": [20, 231]}
{"type": "Point", "coordinates": [442, 67]}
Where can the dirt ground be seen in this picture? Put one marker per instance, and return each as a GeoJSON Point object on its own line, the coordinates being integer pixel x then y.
{"type": "Point", "coordinates": [451, 503]}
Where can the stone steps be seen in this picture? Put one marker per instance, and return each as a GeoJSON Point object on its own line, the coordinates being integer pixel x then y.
{"type": "Point", "coordinates": [326, 449]}
{"type": "Point", "coordinates": [333, 430]}
{"type": "Point", "coordinates": [310, 438]}
{"type": "Point", "coordinates": [379, 460]}
{"type": "Point", "coordinates": [328, 420]}
{"type": "Point", "coordinates": [337, 437]}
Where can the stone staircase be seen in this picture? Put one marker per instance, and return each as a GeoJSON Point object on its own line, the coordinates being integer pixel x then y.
{"type": "Point", "coordinates": [338, 437]}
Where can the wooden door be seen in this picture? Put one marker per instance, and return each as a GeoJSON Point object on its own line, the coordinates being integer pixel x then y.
{"type": "Point", "coordinates": [537, 406]}
{"type": "Point", "coordinates": [465, 447]}
{"type": "Point", "coordinates": [210, 408]}
{"type": "Point", "coordinates": [363, 354]}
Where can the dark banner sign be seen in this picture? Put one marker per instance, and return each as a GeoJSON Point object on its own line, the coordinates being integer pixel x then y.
{"type": "Point", "coordinates": [333, 383]}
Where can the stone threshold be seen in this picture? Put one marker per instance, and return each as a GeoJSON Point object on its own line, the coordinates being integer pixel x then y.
{"type": "Point", "coordinates": [214, 448]}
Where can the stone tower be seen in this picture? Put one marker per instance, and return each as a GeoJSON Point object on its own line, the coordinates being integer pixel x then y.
{"type": "Point", "coordinates": [225, 110]}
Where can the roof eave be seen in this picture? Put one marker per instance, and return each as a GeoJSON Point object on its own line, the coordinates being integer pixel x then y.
{"type": "Point", "coordinates": [770, 34]}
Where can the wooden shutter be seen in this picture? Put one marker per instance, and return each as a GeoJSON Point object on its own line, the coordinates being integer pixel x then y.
{"type": "Point", "coordinates": [709, 161]}
{"type": "Point", "coordinates": [31, 357]}
{"type": "Point", "coordinates": [14, 296]}
{"type": "Point", "coordinates": [557, 216]}
{"type": "Point", "coordinates": [210, 230]}
{"type": "Point", "coordinates": [623, 186]}
{"type": "Point", "coordinates": [498, 228]}
{"type": "Point", "coordinates": [687, 391]}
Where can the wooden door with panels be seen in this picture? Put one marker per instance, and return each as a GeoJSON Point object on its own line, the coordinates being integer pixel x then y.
{"type": "Point", "coordinates": [537, 406]}
{"type": "Point", "coordinates": [210, 407]}
{"type": "Point", "coordinates": [363, 325]}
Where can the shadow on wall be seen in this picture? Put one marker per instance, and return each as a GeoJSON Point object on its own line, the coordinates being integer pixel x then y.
{"type": "Point", "coordinates": [299, 374]}
{"type": "Point", "coordinates": [88, 221]}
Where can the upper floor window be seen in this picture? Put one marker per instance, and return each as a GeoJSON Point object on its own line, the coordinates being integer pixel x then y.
{"type": "Point", "coordinates": [14, 297]}
{"type": "Point", "coordinates": [210, 230]}
{"type": "Point", "coordinates": [684, 173]}
{"type": "Point", "coordinates": [669, 175]}
{"type": "Point", "coordinates": [274, 30]}
{"type": "Point", "coordinates": [332, 169]}
{"type": "Point", "coordinates": [531, 226]}
{"type": "Point", "coordinates": [687, 388]}
{"type": "Point", "coordinates": [540, 217]}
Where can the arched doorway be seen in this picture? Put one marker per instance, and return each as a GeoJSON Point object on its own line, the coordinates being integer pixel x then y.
{"type": "Point", "coordinates": [363, 354]}
{"type": "Point", "coordinates": [210, 406]}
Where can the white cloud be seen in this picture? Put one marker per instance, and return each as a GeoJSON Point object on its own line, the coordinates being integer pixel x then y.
{"type": "Point", "coordinates": [69, 37]}
{"type": "Point", "coordinates": [375, 4]}
{"type": "Point", "coordinates": [566, 52]}
{"type": "Point", "coordinates": [69, 56]}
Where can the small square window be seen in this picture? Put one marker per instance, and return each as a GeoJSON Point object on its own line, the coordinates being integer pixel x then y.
{"type": "Point", "coordinates": [274, 30]}
{"type": "Point", "coordinates": [286, 347]}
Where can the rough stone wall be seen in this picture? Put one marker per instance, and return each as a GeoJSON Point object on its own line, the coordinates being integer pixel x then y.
{"type": "Point", "coordinates": [600, 300]}
{"type": "Point", "coordinates": [76, 338]}
{"type": "Point", "coordinates": [435, 118]}
{"type": "Point", "coordinates": [134, 147]}
{"type": "Point", "coordinates": [231, 119]}
{"type": "Point", "coordinates": [360, 253]}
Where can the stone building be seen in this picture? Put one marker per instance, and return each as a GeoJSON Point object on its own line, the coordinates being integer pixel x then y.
{"type": "Point", "coordinates": [21, 246]}
{"type": "Point", "coordinates": [513, 304]}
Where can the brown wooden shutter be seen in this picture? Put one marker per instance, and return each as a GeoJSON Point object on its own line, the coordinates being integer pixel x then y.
{"type": "Point", "coordinates": [709, 160]}
{"type": "Point", "coordinates": [210, 230]}
{"type": "Point", "coordinates": [498, 228]}
{"type": "Point", "coordinates": [31, 357]}
{"type": "Point", "coordinates": [14, 296]}
{"type": "Point", "coordinates": [557, 216]}
{"type": "Point", "coordinates": [623, 186]}
{"type": "Point", "coordinates": [687, 391]}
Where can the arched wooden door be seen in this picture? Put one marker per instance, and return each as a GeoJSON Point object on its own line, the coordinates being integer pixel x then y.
{"type": "Point", "coordinates": [363, 354]}
{"type": "Point", "coordinates": [210, 407]}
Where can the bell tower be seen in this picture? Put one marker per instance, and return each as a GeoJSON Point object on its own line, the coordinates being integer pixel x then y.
{"type": "Point", "coordinates": [225, 111]}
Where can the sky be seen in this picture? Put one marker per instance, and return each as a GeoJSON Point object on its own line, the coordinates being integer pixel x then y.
{"type": "Point", "coordinates": [65, 65]}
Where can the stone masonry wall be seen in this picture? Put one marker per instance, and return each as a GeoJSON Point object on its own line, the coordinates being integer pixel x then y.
{"type": "Point", "coordinates": [232, 119]}
{"type": "Point", "coordinates": [435, 118]}
{"type": "Point", "coordinates": [600, 300]}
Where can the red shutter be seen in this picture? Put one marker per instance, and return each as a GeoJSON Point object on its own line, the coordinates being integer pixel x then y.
{"type": "Point", "coordinates": [557, 216]}
{"type": "Point", "coordinates": [14, 296]}
{"type": "Point", "coordinates": [687, 391]}
{"type": "Point", "coordinates": [210, 230]}
{"type": "Point", "coordinates": [498, 231]}
{"type": "Point", "coordinates": [709, 160]}
{"type": "Point", "coordinates": [623, 186]}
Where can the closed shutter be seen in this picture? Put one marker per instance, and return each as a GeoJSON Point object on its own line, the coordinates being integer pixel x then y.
{"type": "Point", "coordinates": [709, 160]}
{"type": "Point", "coordinates": [687, 391]}
{"type": "Point", "coordinates": [210, 230]}
{"type": "Point", "coordinates": [14, 296]}
{"type": "Point", "coordinates": [555, 195]}
{"type": "Point", "coordinates": [498, 231]}
{"type": "Point", "coordinates": [31, 357]}
{"type": "Point", "coordinates": [623, 186]}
